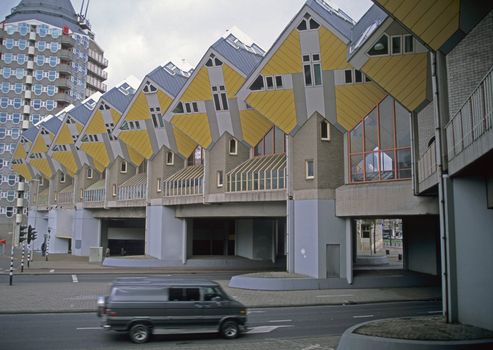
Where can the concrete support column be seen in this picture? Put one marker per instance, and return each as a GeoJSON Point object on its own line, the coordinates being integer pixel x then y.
{"type": "Point", "coordinates": [349, 250]}
{"type": "Point", "coordinates": [86, 233]}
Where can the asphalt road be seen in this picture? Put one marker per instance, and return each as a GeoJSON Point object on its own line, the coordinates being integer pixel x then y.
{"type": "Point", "coordinates": [308, 328]}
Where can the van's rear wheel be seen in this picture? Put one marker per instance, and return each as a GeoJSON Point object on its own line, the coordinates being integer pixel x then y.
{"type": "Point", "coordinates": [230, 330]}
{"type": "Point", "coordinates": [140, 333]}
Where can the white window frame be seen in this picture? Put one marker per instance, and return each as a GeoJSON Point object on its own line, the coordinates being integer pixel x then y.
{"type": "Point", "coordinates": [90, 173]}
{"type": "Point", "coordinates": [123, 167]}
{"type": "Point", "coordinates": [307, 175]}
{"type": "Point", "coordinates": [234, 151]}
{"type": "Point", "coordinates": [219, 178]}
{"type": "Point", "coordinates": [401, 49]}
{"type": "Point", "coordinates": [62, 177]}
{"type": "Point", "coordinates": [168, 162]}
{"type": "Point", "coordinates": [113, 190]}
{"type": "Point", "coordinates": [158, 185]}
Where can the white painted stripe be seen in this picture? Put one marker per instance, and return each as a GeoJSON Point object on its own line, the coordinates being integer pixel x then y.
{"type": "Point", "coordinates": [435, 312]}
{"type": "Point", "coordinates": [363, 316]}
{"type": "Point", "coordinates": [334, 295]}
{"type": "Point", "coordinates": [264, 329]}
{"type": "Point", "coordinates": [74, 279]}
{"type": "Point", "coordinates": [52, 270]}
{"type": "Point", "coordinates": [274, 321]}
{"type": "Point", "coordinates": [88, 328]}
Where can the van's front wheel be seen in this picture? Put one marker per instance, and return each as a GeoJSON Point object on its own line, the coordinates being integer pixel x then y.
{"type": "Point", "coordinates": [140, 333]}
{"type": "Point", "coordinates": [230, 330]}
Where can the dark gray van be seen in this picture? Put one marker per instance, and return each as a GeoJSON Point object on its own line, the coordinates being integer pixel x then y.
{"type": "Point", "coordinates": [143, 306]}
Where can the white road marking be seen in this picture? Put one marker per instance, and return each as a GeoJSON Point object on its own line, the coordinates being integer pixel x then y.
{"type": "Point", "coordinates": [52, 270]}
{"type": "Point", "coordinates": [334, 295]}
{"type": "Point", "coordinates": [274, 321]}
{"type": "Point", "coordinates": [88, 328]}
{"type": "Point", "coordinates": [74, 279]}
{"type": "Point", "coordinates": [363, 316]}
{"type": "Point", "coordinates": [265, 329]}
{"type": "Point", "coordinates": [310, 347]}
{"type": "Point", "coordinates": [435, 312]}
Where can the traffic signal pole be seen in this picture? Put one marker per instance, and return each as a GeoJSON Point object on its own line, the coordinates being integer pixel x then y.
{"type": "Point", "coordinates": [11, 273]}
{"type": "Point", "coordinates": [22, 258]}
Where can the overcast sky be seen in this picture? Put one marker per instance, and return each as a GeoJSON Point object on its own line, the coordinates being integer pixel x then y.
{"type": "Point", "coordinates": [139, 35]}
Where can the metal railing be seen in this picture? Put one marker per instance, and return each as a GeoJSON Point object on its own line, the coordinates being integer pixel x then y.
{"type": "Point", "coordinates": [65, 197]}
{"type": "Point", "coordinates": [264, 173]}
{"type": "Point", "coordinates": [96, 195]}
{"type": "Point", "coordinates": [42, 199]}
{"type": "Point", "coordinates": [473, 119]}
{"type": "Point", "coordinates": [187, 182]}
{"type": "Point", "coordinates": [132, 192]}
{"type": "Point", "coordinates": [427, 164]}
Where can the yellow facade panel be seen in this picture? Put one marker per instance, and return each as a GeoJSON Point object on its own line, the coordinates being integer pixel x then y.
{"type": "Point", "coordinates": [67, 160]}
{"type": "Point", "coordinates": [79, 127]}
{"type": "Point", "coordinates": [96, 124]}
{"type": "Point", "coordinates": [20, 153]}
{"type": "Point", "coordinates": [39, 145]}
{"type": "Point", "coordinates": [139, 110]}
{"type": "Point", "coordinates": [196, 126]}
{"type": "Point", "coordinates": [138, 140]}
{"type": "Point", "coordinates": [442, 36]}
{"type": "Point", "coordinates": [232, 79]}
{"type": "Point", "coordinates": [43, 166]}
{"type": "Point", "coordinates": [135, 157]}
{"type": "Point", "coordinates": [333, 51]}
{"type": "Point", "coordinates": [254, 126]}
{"type": "Point", "coordinates": [404, 76]}
{"type": "Point", "coordinates": [287, 58]}
{"type": "Point", "coordinates": [23, 170]}
{"type": "Point", "coordinates": [184, 143]}
{"type": "Point", "coordinates": [412, 11]}
{"type": "Point", "coordinates": [164, 101]}
{"type": "Point", "coordinates": [350, 113]}
{"type": "Point", "coordinates": [64, 136]}
{"type": "Point", "coordinates": [115, 115]}
{"type": "Point", "coordinates": [200, 87]}
{"type": "Point", "coordinates": [277, 106]}
{"type": "Point", "coordinates": [97, 151]}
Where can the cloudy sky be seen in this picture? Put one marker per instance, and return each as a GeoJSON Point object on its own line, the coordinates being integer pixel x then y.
{"type": "Point", "coordinates": [139, 35]}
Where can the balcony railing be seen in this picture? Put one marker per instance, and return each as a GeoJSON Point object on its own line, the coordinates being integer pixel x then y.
{"type": "Point", "coordinates": [265, 173]}
{"type": "Point", "coordinates": [66, 195]}
{"type": "Point", "coordinates": [95, 193]}
{"type": "Point", "coordinates": [187, 182]}
{"type": "Point", "coordinates": [427, 164]}
{"type": "Point", "coordinates": [42, 199]}
{"type": "Point", "coordinates": [134, 188]}
{"type": "Point", "coordinates": [474, 118]}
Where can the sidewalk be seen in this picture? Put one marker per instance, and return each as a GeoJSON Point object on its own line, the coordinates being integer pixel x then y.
{"type": "Point", "coordinates": [67, 296]}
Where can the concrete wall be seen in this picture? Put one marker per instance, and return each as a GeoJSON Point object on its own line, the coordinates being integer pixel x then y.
{"type": "Point", "coordinates": [426, 127]}
{"type": "Point", "coordinates": [86, 232]}
{"type": "Point", "coordinates": [57, 223]}
{"type": "Point", "coordinates": [255, 239]}
{"type": "Point", "coordinates": [469, 62]}
{"type": "Point", "coordinates": [158, 169]}
{"type": "Point", "coordinates": [81, 181]}
{"type": "Point", "coordinates": [421, 244]}
{"type": "Point", "coordinates": [382, 200]}
{"type": "Point", "coordinates": [165, 234]}
{"type": "Point", "coordinates": [248, 209]}
{"type": "Point", "coordinates": [474, 259]}
{"type": "Point", "coordinates": [114, 176]}
{"type": "Point", "coordinates": [315, 227]}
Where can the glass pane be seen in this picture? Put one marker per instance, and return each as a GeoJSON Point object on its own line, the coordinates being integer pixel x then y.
{"type": "Point", "coordinates": [396, 44]}
{"type": "Point", "coordinates": [308, 75]}
{"type": "Point", "coordinates": [357, 138]}
{"type": "Point", "coordinates": [404, 163]}
{"type": "Point", "coordinates": [371, 164]}
{"type": "Point", "coordinates": [318, 74]}
{"type": "Point", "coordinates": [371, 137]}
{"type": "Point", "coordinates": [403, 121]}
{"type": "Point", "coordinates": [357, 168]}
{"type": "Point", "coordinates": [269, 142]}
{"type": "Point", "coordinates": [387, 124]}
{"type": "Point", "coordinates": [387, 164]}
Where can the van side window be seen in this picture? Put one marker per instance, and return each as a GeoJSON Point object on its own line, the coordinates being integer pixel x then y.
{"type": "Point", "coordinates": [184, 294]}
{"type": "Point", "coordinates": [211, 292]}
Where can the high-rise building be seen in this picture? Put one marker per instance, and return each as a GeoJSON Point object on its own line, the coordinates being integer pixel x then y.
{"type": "Point", "coordinates": [48, 60]}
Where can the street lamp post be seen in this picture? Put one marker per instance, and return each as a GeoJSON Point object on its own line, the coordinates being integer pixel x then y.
{"type": "Point", "coordinates": [48, 243]}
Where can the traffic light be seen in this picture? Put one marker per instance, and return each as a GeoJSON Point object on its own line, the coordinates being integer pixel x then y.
{"type": "Point", "coordinates": [31, 234]}
{"type": "Point", "coordinates": [22, 233]}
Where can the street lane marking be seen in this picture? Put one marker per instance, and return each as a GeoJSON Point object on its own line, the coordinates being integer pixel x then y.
{"type": "Point", "coordinates": [265, 329]}
{"type": "Point", "coordinates": [74, 279]}
{"type": "Point", "coordinates": [435, 312]}
{"type": "Point", "coordinates": [274, 321]}
{"type": "Point", "coordinates": [52, 270]}
{"type": "Point", "coordinates": [334, 295]}
{"type": "Point", "coordinates": [363, 316]}
{"type": "Point", "coordinates": [88, 328]}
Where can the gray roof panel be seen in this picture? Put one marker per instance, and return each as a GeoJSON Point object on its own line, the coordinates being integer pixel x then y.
{"type": "Point", "coordinates": [337, 18]}
{"type": "Point", "coordinates": [31, 133]}
{"type": "Point", "coordinates": [171, 83]}
{"type": "Point", "coordinates": [370, 21]}
{"type": "Point", "coordinates": [117, 99]}
{"type": "Point", "coordinates": [244, 60]}
{"type": "Point", "coordinates": [52, 124]}
{"type": "Point", "coordinates": [81, 113]}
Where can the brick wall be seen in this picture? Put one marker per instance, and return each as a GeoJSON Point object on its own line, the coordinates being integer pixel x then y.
{"type": "Point", "coordinates": [469, 62]}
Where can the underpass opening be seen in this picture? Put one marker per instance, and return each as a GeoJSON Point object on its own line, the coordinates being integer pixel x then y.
{"type": "Point", "coordinates": [124, 236]}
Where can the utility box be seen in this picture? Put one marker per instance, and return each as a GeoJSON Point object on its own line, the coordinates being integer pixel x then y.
{"type": "Point", "coordinates": [95, 254]}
